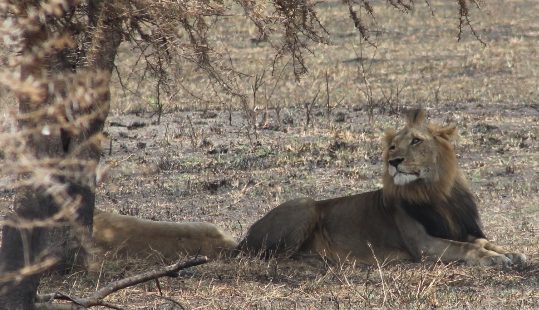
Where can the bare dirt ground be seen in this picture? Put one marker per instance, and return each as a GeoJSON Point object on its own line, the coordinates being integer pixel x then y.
{"type": "Point", "coordinates": [201, 163]}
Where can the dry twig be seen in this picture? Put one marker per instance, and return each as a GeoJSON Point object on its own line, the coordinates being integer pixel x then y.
{"type": "Point", "coordinates": [308, 109]}
{"type": "Point", "coordinates": [96, 299]}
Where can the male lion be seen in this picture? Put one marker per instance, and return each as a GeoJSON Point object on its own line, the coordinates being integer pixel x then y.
{"type": "Point", "coordinates": [424, 208]}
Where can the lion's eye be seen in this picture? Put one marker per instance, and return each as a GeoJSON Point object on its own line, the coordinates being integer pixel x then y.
{"type": "Point", "coordinates": [416, 141]}
{"type": "Point", "coordinates": [392, 147]}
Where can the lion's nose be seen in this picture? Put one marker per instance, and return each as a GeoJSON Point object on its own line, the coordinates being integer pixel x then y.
{"type": "Point", "coordinates": [396, 161]}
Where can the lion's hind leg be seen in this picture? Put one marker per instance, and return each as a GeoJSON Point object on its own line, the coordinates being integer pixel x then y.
{"type": "Point", "coordinates": [282, 231]}
{"type": "Point", "coordinates": [516, 258]}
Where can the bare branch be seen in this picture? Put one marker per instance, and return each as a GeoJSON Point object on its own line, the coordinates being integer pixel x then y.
{"type": "Point", "coordinates": [96, 299]}
{"type": "Point", "coordinates": [464, 19]}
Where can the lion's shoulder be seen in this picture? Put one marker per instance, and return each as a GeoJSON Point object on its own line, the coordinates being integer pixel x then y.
{"type": "Point", "coordinates": [455, 217]}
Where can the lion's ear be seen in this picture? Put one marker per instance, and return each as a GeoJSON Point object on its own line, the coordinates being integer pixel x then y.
{"type": "Point", "coordinates": [415, 117]}
{"type": "Point", "coordinates": [448, 133]}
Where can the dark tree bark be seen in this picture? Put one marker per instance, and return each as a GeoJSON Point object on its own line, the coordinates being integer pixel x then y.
{"type": "Point", "coordinates": [25, 247]}
{"type": "Point", "coordinates": [22, 247]}
{"type": "Point", "coordinates": [99, 58]}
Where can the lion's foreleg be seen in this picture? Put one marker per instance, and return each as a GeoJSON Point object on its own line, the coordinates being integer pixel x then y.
{"type": "Point", "coordinates": [449, 250]}
{"type": "Point", "coordinates": [516, 258]}
{"type": "Point", "coordinates": [419, 243]}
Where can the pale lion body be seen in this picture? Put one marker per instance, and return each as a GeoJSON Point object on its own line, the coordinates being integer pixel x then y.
{"type": "Point", "coordinates": [137, 237]}
{"type": "Point", "coordinates": [424, 210]}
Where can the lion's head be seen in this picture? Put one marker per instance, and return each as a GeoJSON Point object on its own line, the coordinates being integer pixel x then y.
{"type": "Point", "coordinates": [419, 160]}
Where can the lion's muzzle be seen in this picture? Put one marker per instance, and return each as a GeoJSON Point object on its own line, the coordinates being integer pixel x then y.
{"type": "Point", "coordinates": [400, 177]}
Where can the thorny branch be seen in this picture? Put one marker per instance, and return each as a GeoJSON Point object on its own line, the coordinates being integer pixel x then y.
{"type": "Point", "coordinates": [464, 19]}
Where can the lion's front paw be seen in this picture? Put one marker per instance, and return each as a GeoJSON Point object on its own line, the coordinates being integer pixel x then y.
{"type": "Point", "coordinates": [497, 260]}
{"type": "Point", "coordinates": [492, 260]}
{"type": "Point", "coordinates": [517, 258]}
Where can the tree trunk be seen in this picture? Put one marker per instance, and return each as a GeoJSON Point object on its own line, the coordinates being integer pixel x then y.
{"type": "Point", "coordinates": [25, 247]}
{"type": "Point", "coordinates": [100, 59]}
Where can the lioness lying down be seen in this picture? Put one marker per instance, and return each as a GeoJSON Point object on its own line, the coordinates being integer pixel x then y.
{"type": "Point", "coordinates": [424, 209]}
{"type": "Point", "coordinates": [140, 238]}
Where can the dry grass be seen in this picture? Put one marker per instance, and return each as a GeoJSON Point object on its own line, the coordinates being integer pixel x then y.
{"type": "Point", "coordinates": [417, 53]}
{"type": "Point", "coordinates": [197, 167]}
{"type": "Point", "coordinates": [168, 179]}
{"type": "Point", "coordinates": [244, 283]}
